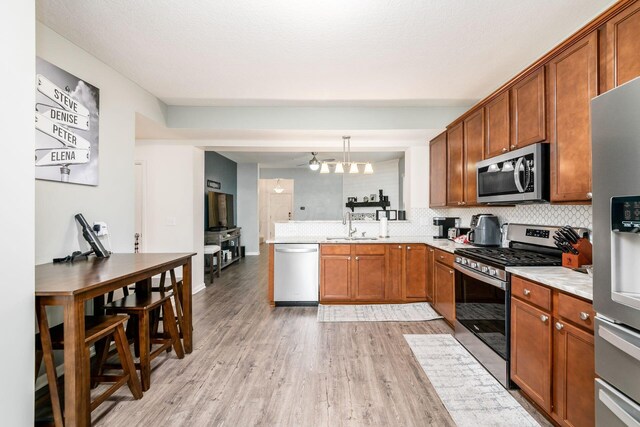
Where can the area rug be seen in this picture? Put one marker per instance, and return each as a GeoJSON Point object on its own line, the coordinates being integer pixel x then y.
{"type": "Point", "coordinates": [415, 312]}
{"type": "Point", "coordinates": [471, 394]}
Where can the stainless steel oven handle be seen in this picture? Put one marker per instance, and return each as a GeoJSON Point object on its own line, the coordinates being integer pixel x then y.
{"type": "Point", "coordinates": [296, 251]}
{"type": "Point", "coordinates": [489, 280]}
{"type": "Point", "coordinates": [619, 342]}
{"type": "Point", "coordinates": [617, 410]}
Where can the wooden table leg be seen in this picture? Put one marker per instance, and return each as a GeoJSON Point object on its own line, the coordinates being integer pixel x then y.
{"type": "Point", "coordinates": [187, 333]}
{"type": "Point", "coordinates": [145, 350]}
{"type": "Point", "coordinates": [76, 366]}
{"type": "Point", "coordinates": [50, 368]}
{"type": "Point", "coordinates": [219, 261]}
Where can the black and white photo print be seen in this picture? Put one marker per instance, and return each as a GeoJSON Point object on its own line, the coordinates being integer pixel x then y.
{"type": "Point", "coordinates": [67, 118]}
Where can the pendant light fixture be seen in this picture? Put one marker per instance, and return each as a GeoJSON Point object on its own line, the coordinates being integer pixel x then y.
{"type": "Point", "coordinates": [324, 168]}
{"type": "Point", "coordinates": [354, 168]}
{"type": "Point", "coordinates": [368, 169]}
{"type": "Point", "coordinates": [339, 168]}
{"type": "Point", "coordinates": [314, 164]}
{"type": "Point", "coordinates": [278, 188]}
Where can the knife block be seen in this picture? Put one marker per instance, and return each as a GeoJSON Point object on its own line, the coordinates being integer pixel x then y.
{"type": "Point", "coordinates": [583, 258]}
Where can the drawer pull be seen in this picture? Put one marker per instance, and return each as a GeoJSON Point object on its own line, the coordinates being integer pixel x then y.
{"type": "Point", "coordinates": [583, 315]}
{"type": "Point", "coordinates": [357, 258]}
{"type": "Point", "coordinates": [450, 271]}
{"type": "Point", "coordinates": [441, 256]}
{"type": "Point", "coordinates": [408, 248]}
{"type": "Point", "coordinates": [526, 292]}
{"type": "Point", "coordinates": [559, 326]}
{"type": "Point", "coordinates": [544, 318]}
{"type": "Point", "coordinates": [399, 247]}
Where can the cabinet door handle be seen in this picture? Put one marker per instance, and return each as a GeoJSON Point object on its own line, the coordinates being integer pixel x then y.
{"type": "Point", "coordinates": [559, 326]}
{"type": "Point", "coordinates": [544, 318]}
{"type": "Point", "coordinates": [430, 250]}
{"type": "Point", "coordinates": [463, 203]}
{"type": "Point", "coordinates": [349, 258]}
{"type": "Point", "coordinates": [399, 247]}
{"type": "Point", "coordinates": [513, 147]}
{"type": "Point", "coordinates": [504, 150]}
{"type": "Point", "coordinates": [450, 271]}
{"type": "Point", "coordinates": [408, 248]}
{"type": "Point", "coordinates": [526, 292]}
{"type": "Point", "coordinates": [589, 195]}
{"type": "Point", "coordinates": [357, 258]}
{"type": "Point", "coordinates": [583, 315]}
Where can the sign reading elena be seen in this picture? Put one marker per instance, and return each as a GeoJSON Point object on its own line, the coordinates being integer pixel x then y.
{"type": "Point", "coordinates": [67, 118]}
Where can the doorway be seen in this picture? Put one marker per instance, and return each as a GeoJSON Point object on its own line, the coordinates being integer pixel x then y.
{"type": "Point", "coordinates": [274, 207]}
{"type": "Point", "coordinates": [140, 187]}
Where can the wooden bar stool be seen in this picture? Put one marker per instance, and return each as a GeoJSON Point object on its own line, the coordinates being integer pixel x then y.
{"type": "Point", "coordinates": [210, 252]}
{"type": "Point", "coordinates": [176, 290]}
{"type": "Point", "coordinates": [97, 328]}
{"type": "Point", "coordinates": [140, 307]}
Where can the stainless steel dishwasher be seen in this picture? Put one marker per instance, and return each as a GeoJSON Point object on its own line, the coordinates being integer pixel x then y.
{"type": "Point", "coordinates": [296, 274]}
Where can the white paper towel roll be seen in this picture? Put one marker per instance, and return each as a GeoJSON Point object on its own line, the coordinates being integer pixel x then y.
{"type": "Point", "coordinates": [384, 227]}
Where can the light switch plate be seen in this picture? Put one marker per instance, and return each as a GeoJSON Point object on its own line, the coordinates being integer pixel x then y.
{"type": "Point", "coordinates": [171, 221]}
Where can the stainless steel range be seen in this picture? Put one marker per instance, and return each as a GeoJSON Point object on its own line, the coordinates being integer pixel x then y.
{"type": "Point", "coordinates": [483, 292]}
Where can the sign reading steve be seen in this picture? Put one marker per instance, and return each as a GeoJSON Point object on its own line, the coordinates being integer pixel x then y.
{"type": "Point", "coordinates": [66, 116]}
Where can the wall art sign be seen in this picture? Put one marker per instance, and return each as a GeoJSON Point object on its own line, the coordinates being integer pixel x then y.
{"type": "Point", "coordinates": [67, 114]}
{"type": "Point", "coordinates": [213, 184]}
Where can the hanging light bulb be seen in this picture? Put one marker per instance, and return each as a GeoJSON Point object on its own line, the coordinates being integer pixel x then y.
{"type": "Point", "coordinates": [354, 168]}
{"type": "Point", "coordinates": [339, 168]}
{"type": "Point", "coordinates": [324, 168]}
{"type": "Point", "coordinates": [368, 169]}
{"type": "Point", "coordinates": [278, 188]}
{"type": "Point", "coordinates": [314, 164]}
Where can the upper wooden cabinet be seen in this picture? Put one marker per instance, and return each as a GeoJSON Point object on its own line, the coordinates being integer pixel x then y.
{"type": "Point", "coordinates": [528, 110]}
{"type": "Point", "coordinates": [623, 46]}
{"type": "Point", "coordinates": [573, 82]}
{"type": "Point", "coordinates": [473, 132]}
{"type": "Point", "coordinates": [498, 125]}
{"type": "Point", "coordinates": [438, 171]}
{"type": "Point", "coordinates": [455, 165]}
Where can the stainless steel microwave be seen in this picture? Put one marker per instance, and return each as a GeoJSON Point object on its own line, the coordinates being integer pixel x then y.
{"type": "Point", "coordinates": [519, 176]}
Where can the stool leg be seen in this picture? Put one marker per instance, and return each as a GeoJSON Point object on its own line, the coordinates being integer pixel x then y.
{"type": "Point", "coordinates": [38, 362]}
{"type": "Point", "coordinates": [47, 353]}
{"type": "Point", "coordinates": [145, 343]}
{"type": "Point", "coordinates": [102, 353]}
{"type": "Point", "coordinates": [122, 344]}
{"type": "Point", "coordinates": [170, 323]}
{"type": "Point", "coordinates": [178, 301]}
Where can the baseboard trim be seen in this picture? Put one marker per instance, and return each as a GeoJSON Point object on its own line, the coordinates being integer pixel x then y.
{"type": "Point", "coordinates": [198, 288]}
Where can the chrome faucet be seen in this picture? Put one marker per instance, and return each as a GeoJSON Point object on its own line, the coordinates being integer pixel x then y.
{"type": "Point", "coordinates": [347, 217]}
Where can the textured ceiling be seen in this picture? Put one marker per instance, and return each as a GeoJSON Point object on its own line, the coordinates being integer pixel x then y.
{"type": "Point", "coordinates": [301, 52]}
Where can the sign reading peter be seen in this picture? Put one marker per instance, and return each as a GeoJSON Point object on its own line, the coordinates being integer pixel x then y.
{"type": "Point", "coordinates": [67, 115]}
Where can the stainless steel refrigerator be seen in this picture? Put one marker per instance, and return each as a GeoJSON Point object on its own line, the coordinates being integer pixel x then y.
{"type": "Point", "coordinates": [615, 129]}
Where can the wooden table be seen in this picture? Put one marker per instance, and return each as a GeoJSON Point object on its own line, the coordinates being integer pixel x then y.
{"type": "Point", "coordinates": [70, 285]}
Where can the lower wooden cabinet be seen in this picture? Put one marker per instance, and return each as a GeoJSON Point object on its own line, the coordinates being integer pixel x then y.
{"type": "Point", "coordinates": [369, 277]}
{"type": "Point", "coordinates": [431, 254]}
{"type": "Point", "coordinates": [416, 272]}
{"type": "Point", "coordinates": [444, 288]}
{"type": "Point", "coordinates": [375, 273]}
{"type": "Point", "coordinates": [573, 375]}
{"type": "Point", "coordinates": [531, 341]}
{"type": "Point", "coordinates": [552, 355]}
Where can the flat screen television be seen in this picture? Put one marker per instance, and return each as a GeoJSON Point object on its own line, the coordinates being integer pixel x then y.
{"type": "Point", "coordinates": [220, 207]}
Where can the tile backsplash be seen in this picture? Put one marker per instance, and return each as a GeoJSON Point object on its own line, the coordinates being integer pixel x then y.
{"type": "Point", "coordinates": [421, 220]}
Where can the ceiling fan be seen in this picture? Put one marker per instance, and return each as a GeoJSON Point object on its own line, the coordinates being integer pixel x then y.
{"type": "Point", "coordinates": [314, 163]}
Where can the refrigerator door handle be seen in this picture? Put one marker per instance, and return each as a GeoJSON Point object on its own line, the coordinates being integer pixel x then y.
{"type": "Point", "coordinates": [617, 410]}
{"type": "Point", "coordinates": [619, 342]}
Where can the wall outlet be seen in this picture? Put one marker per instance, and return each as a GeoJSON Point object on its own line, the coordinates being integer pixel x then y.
{"type": "Point", "coordinates": [100, 228]}
{"type": "Point", "coordinates": [171, 221]}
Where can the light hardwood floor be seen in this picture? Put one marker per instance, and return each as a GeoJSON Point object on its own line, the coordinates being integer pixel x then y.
{"type": "Point", "coordinates": [254, 365]}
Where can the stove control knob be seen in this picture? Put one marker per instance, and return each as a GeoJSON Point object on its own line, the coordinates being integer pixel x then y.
{"type": "Point", "coordinates": [458, 259]}
{"type": "Point", "coordinates": [492, 272]}
{"type": "Point", "coordinates": [474, 265]}
{"type": "Point", "coordinates": [485, 269]}
{"type": "Point", "coordinates": [465, 261]}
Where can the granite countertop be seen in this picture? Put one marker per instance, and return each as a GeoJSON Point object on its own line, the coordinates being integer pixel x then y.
{"type": "Point", "coordinates": [561, 278]}
{"type": "Point", "coordinates": [443, 244]}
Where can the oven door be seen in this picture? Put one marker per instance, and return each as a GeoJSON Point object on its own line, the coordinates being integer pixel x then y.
{"type": "Point", "coordinates": [482, 307]}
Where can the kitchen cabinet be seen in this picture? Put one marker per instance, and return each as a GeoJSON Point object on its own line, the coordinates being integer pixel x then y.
{"type": "Point", "coordinates": [416, 272]}
{"type": "Point", "coordinates": [531, 341]}
{"type": "Point", "coordinates": [444, 298]}
{"type": "Point", "coordinates": [395, 273]}
{"type": "Point", "coordinates": [573, 375]}
{"type": "Point", "coordinates": [552, 351]}
{"type": "Point", "coordinates": [528, 110]}
{"type": "Point", "coordinates": [438, 171]}
{"type": "Point", "coordinates": [455, 165]}
{"type": "Point", "coordinates": [335, 272]}
{"type": "Point", "coordinates": [497, 125]}
{"type": "Point", "coordinates": [369, 272]}
{"type": "Point", "coordinates": [573, 82]}
{"type": "Point", "coordinates": [430, 273]}
{"type": "Point", "coordinates": [473, 133]}
{"type": "Point", "coordinates": [623, 46]}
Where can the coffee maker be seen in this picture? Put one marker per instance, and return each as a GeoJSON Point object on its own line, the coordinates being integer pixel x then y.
{"type": "Point", "coordinates": [442, 225]}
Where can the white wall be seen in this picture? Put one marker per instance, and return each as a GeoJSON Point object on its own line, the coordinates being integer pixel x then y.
{"type": "Point", "coordinates": [112, 200]}
{"type": "Point", "coordinates": [385, 177]}
{"type": "Point", "coordinates": [247, 188]}
{"type": "Point", "coordinates": [174, 201]}
{"type": "Point", "coordinates": [17, 50]}
{"type": "Point", "coordinates": [416, 186]}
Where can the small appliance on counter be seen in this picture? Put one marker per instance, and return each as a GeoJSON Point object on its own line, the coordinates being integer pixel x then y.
{"type": "Point", "coordinates": [457, 231]}
{"type": "Point", "coordinates": [485, 230]}
{"type": "Point", "coordinates": [443, 224]}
